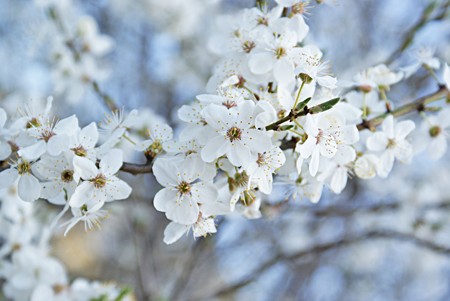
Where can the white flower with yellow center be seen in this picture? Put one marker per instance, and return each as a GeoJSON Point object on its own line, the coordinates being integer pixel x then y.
{"type": "Point", "coordinates": [159, 134]}
{"type": "Point", "coordinates": [182, 194]}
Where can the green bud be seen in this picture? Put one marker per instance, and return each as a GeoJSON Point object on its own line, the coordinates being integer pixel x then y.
{"type": "Point", "coordinates": [324, 106]}
{"type": "Point", "coordinates": [305, 78]}
{"type": "Point", "coordinates": [285, 127]}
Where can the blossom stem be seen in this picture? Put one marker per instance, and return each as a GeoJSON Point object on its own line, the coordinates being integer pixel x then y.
{"type": "Point", "coordinates": [298, 95]}
{"type": "Point", "coordinates": [425, 117]}
{"type": "Point", "coordinates": [251, 92]}
{"type": "Point", "coordinates": [364, 107]}
{"type": "Point", "coordinates": [298, 124]}
{"type": "Point", "coordinates": [432, 73]}
{"type": "Point", "coordinates": [383, 96]}
{"type": "Point", "coordinates": [295, 132]}
{"type": "Point", "coordinates": [125, 136]}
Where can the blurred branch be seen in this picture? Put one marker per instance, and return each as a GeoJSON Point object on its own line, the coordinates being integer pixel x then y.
{"type": "Point", "coordinates": [417, 105]}
{"type": "Point", "coordinates": [424, 19]}
{"type": "Point", "coordinates": [136, 169]}
{"type": "Point", "coordinates": [318, 249]}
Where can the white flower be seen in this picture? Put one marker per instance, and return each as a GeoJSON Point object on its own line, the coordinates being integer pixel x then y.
{"type": "Point", "coordinates": [374, 78]}
{"type": "Point", "coordinates": [233, 136]}
{"type": "Point", "coordinates": [90, 39]}
{"type": "Point", "coordinates": [159, 134]}
{"type": "Point", "coordinates": [83, 143]}
{"type": "Point", "coordinates": [59, 176]}
{"type": "Point", "coordinates": [53, 137]}
{"type": "Point", "coordinates": [29, 187]}
{"type": "Point", "coordinates": [392, 142]}
{"type": "Point", "coordinates": [303, 185]}
{"type": "Point", "coordinates": [182, 195]}
{"type": "Point", "coordinates": [250, 211]}
{"type": "Point", "coordinates": [229, 97]}
{"type": "Point", "coordinates": [374, 106]}
{"type": "Point", "coordinates": [115, 125]}
{"type": "Point", "coordinates": [100, 185]}
{"type": "Point", "coordinates": [190, 150]}
{"type": "Point", "coordinates": [91, 217]}
{"type": "Point", "coordinates": [366, 166]}
{"type": "Point", "coordinates": [423, 57]}
{"type": "Point", "coordinates": [324, 134]}
{"type": "Point", "coordinates": [336, 171]}
{"type": "Point", "coordinates": [201, 227]}
{"type": "Point", "coordinates": [311, 65]}
{"type": "Point", "coordinates": [196, 128]}
{"type": "Point", "coordinates": [434, 133]}
{"type": "Point", "coordinates": [261, 171]}
{"type": "Point", "coordinates": [279, 54]}
{"type": "Point", "coordinates": [255, 17]}
{"type": "Point", "coordinates": [5, 148]}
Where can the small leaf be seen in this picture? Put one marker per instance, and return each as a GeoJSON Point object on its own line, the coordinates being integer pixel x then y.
{"type": "Point", "coordinates": [285, 127]}
{"type": "Point", "coordinates": [324, 106]}
{"type": "Point", "coordinates": [303, 104]}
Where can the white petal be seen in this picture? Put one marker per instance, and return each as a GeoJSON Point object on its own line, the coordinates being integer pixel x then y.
{"type": "Point", "coordinates": [5, 150]}
{"type": "Point", "coordinates": [403, 129]}
{"type": "Point", "coordinates": [7, 177]}
{"type": "Point", "coordinates": [377, 142]}
{"type": "Point", "coordinates": [2, 118]}
{"type": "Point", "coordinates": [446, 76]}
{"type": "Point", "coordinates": [215, 148]}
{"type": "Point", "coordinates": [348, 134]}
{"type": "Point", "coordinates": [111, 162]}
{"type": "Point", "coordinates": [58, 144]}
{"type": "Point", "coordinates": [67, 126]}
{"type": "Point", "coordinates": [29, 188]}
{"type": "Point", "coordinates": [403, 150]}
{"type": "Point", "coordinates": [163, 197]}
{"type": "Point", "coordinates": [83, 194]}
{"type": "Point", "coordinates": [238, 154]}
{"type": "Point", "coordinates": [184, 211]}
{"type": "Point", "coordinates": [257, 141]}
{"type": "Point", "coordinates": [388, 126]}
{"type": "Point", "coordinates": [85, 168]}
{"type": "Point", "coordinates": [116, 189]}
{"type": "Point", "coordinates": [88, 136]}
{"type": "Point", "coordinates": [33, 151]}
{"type": "Point", "coordinates": [131, 119]}
{"type": "Point", "coordinates": [327, 81]}
{"type": "Point", "coordinates": [437, 147]}
{"type": "Point", "coordinates": [204, 193]}
{"type": "Point", "coordinates": [261, 63]}
{"type": "Point", "coordinates": [166, 173]}
{"type": "Point", "coordinates": [174, 231]}
{"type": "Point", "coordinates": [339, 180]}
{"type": "Point", "coordinates": [314, 163]}
{"type": "Point", "coordinates": [283, 70]}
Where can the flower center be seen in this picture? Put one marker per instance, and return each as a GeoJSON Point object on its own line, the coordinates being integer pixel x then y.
{"type": "Point", "coordinates": [241, 82]}
{"type": "Point", "coordinates": [47, 134]}
{"type": "Point", "coordinates": [24, 167]}
{"type": "Point", "coordinates": [80, 151]}
{"type": "Point", "coordinates": [280, 52]}
{"type": "Point", "coordinates": [435, 130]}
{"type": "Point", "coordinates": [248, 46]}
{"type": "Point", "coordinates": [300, 8]}
{"type": "Point", "coordinates": [57, 288]}
{"type": "Point", "coordinates": [261, 160]}
{"type": "Point", "coordinates": [67, 175]}
{"type": "Point", "coordinates": [154, 149]}
{"type": "Point", "coordinates": [189, 152]}
{"type": "Point", "coordinates": [229, 104]}
{"type": "Point", "coordinates": [234, 134]}
{"type": "Point", "coordinates": [99, 181]}
{"type": "Point", "coordinates": [391, 143]}
{"type": "Point", "coordinates": [263, 21]}
{"type": "Point", "coordinates": [184, 188]}
{"type": "Point", "coordinates": [33, 123]}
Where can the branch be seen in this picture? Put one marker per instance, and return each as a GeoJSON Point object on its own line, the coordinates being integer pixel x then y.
{"type": "Point", "coordinates": [424, 19]}
{"type": "Point", "coordinates": [317, 250]}
{"type": "Point", "coordinates": [136, 169]}
{"type": "Point", "coordinates": [417, 105]}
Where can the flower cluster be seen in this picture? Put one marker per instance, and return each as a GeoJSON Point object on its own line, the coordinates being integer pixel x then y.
{"type": "Point", "coordinates": [26, 267]}
{"type": "Point", "coordinates": [59, 161]}
{"type": "Point", "coordinates": [273, 114]}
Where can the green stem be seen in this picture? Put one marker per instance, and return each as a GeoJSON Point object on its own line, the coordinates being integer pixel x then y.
{"type": "Point", "coordinates": [298, 95]}
{"type": "Point", "coordinates": [364, 107]}
{"type": "Point", "coordinates": [432, 73]}
{"type": "Point", "coordinates": [298, 124]}
{"type": "Point", "coordinates": [125, 136]}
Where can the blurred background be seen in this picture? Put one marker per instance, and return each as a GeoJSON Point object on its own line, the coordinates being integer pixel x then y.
{"type": "Point", "coordinates": [378, 240]}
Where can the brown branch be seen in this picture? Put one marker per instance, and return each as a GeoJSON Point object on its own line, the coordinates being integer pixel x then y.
{"type": "Point", "coordinates": [416, 105]}
{"type": "Point", "coordinates": [317, 250]}
{"type": "Point", "coordinates": [136, 169]}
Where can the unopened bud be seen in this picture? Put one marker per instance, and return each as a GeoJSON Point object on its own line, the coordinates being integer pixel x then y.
{"type": "Point", "coordinates": [365, 88]}
{"type": "Point", "coordinates": [434, 131]}
{"type": "Point", "coordinates": [305, 78]}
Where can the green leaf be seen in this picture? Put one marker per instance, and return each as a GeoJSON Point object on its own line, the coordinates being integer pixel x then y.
{"type": "Point", "coordinates": [303, 104]}
{"type": "Point", "coordinates": [324, 106]}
